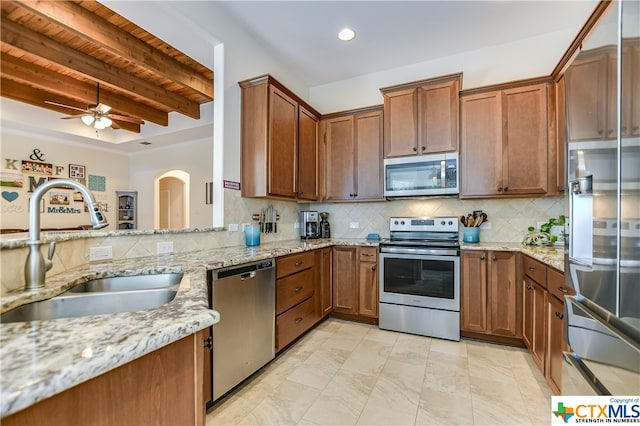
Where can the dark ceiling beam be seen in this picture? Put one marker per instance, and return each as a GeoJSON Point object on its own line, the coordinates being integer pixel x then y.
{"type": "Point", "coordinates": [44, 79]}
{"type": "Point", "coordinates": [84, 24]}
{"type": "Point", "coordinates": [30, 95]}
{"type": "Point", "coordinates": [21, 38]}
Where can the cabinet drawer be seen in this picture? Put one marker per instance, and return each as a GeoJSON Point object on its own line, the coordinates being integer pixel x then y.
{"type": "Point", "coordinates": [556, 285]}
{"type": "Point", "coordinates": [294, 322]}
{"type": "Point", "coordinates": [368, 254]}
{"type": "Point", "coordinates": [293, 289]}
{"type": "Point", "coordinates": [294, 263]}
{"type": "Point", "coordinates": [537, 271]}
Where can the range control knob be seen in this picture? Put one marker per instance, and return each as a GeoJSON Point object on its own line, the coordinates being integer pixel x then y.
{"type": "Point", "coordinates": [443, 223]}
{"type": "Point", "coordinates": [395, 222]}
{"type": "Point", "coordinates": [402, 222]}
{"type": "Point", "coordinates": [450, 222]}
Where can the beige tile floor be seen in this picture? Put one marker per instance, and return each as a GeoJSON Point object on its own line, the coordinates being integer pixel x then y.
{"type": "Point", "coordinates": [347, 373]}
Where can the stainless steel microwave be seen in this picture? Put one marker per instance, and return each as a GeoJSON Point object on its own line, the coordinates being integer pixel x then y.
{"type": "Point", "coordinates": [421, 175]}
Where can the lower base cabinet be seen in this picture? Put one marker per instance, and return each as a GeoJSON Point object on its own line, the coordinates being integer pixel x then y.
{"type": "Point", "coordinates": [490, 296]}
{"type": "Point", "coordinates": [163, 387]}
{"type": "Point", "coordinates": [355, 283]}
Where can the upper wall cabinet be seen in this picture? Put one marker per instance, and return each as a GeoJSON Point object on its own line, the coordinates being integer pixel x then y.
{"type": "Point", "coordinates": [505, 138]}
{"type": "Point", "coordinates": [421, 117]}
{"type": "Point", "coordinates": [354, 155]}
{"type": "Point", "coordinates": [279, 142]}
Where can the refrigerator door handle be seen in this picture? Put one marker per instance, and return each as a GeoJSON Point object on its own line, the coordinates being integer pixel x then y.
{"type": "Point", "coordinates": [596, 385]}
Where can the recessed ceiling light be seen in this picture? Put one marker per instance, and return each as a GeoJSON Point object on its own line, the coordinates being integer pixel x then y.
{"type": "Point", "coordinates": [346, 34]}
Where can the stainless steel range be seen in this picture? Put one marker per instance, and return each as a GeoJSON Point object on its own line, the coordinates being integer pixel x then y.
{"type": "Point", "coordinates": [420, 277]}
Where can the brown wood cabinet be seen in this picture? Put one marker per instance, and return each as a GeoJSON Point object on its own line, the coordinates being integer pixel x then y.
{"type": "Point", "coordinates": [279, 142]}
{"type": "Point", "coordinates": [543, 325]}
{"type": "Point", "coordinates": [163, 387]}
{"type": "Point", "coordinates": [354, 155]}
{"type": "Point", "coordinates": [355, 283]}
{"type": "Point", "coordinates": [490, 296]}
{"type": "Point", "coordinates": [325, 280]}
{"type": "Point", "coordinates": [504, 141]}
{"type": "Point", "coordinates": [296, 297]}
{"type": "Point", "coordinates": [421, 117]}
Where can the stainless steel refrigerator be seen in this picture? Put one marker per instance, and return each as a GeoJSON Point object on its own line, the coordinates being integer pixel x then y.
{"type": "Point", "coordinates": [603, 259]}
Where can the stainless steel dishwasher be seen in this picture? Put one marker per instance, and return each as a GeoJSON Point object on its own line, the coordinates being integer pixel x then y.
{"type": "Point", "coordinates": [244, 339]}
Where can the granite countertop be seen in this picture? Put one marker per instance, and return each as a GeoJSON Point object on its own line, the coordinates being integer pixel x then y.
{"type": "Point", "coordinates": [550, 255]}
{"type": "Point", "coordinates": [42, 358]}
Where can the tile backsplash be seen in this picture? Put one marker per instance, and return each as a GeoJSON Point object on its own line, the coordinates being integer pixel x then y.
{"type": "Point", "coordinates": [508, 218]}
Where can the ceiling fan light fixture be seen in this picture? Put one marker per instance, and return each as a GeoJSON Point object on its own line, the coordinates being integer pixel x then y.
{"type": "Point", "coordinates": [87, 119]}
{"type": "Point", "coordinates": [102, 123]}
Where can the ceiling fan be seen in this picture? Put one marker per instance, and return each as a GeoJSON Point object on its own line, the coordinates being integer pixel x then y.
{"type": "Point", "coordinates": [97, 115]}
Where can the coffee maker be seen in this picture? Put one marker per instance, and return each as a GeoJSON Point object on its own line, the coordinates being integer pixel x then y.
{"type": "Point", "coordinates": [309, 225]}
{"type": "Point", "coordinates": [325, 229]}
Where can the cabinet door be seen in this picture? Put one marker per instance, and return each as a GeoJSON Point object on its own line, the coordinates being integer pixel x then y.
{"type": "Point", "coordinates": [400, 123]}
{"type": "Point", "coordinates": [525, 140]}
{"type": "Point", "coordinates": [539, 342]}
{"type": "Point", "coordinates": [474, 291]}
{"type": "Point", "coordinates": [307, 155]}
{"type": "Point", "coordinates": [585, 87]}
{"type": "Point", "coordinates": [326, 281]}
{"type": "Point", "coordinates": [527, 312]}
{"type": "Point", "coordinates": [556, 345]}
{"type": "Point", "coordinates": [368, 282]}
{"type": "Point", "coordinates": [631, 83]}
{"type": "Point", "coordinates": [368, 165]}
{"type": "Point", "coordinates": [504, 294]}
{"type": "Point", "coordinates": [283, 142]}
{"type": "Point", "coordinates": [438, 117]}
{"type": "Point", "coordinates": [345, 286]}
{"type": "Point", "coordinates": [340, 158]}
{"type": "Point", "coordinates": [481, 145]}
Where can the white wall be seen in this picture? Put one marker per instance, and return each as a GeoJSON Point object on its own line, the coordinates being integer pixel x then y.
{"type": "Point", "coordinates": [532, 57]}
{"type": "Point", "coordinates": [20, 146]}
{"type": "Point", "coordinates": [193, 157]}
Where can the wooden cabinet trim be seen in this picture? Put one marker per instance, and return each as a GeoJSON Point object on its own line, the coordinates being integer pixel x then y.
{"type": "Point", "coordinates": [269, 79]}
{"type": "Point", "coordinates": [418, 83]}
{"type": "Point", "coordinates": [506, 86]}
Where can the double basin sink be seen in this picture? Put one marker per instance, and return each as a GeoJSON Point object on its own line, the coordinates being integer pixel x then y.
{"type": "Point", "coordinates": [102, 296]}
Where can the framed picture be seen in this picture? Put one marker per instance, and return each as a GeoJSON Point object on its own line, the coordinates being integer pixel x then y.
{"type": "Point", "coordinates": [76, 171]}
{"type": "Point", "coordinates": [33, 167]}
{"type": "Point", "coordinates": [59, 198]}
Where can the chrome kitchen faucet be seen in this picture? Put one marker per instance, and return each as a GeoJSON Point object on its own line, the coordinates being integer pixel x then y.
{"type": "Point", "coordinates": [37, 266]}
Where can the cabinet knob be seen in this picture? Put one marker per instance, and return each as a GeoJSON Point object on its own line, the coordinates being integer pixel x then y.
{"type": "Point", "coordinates": [531, 269]}
{"type": "Point", "coordinates": [529, 287]}
{"type": "Point", "coordinates": [506, 188]}
{"type": "Point", "coordinates": [424, 148]}
{"type": "Point", "coordinates": [373, 268]}
{"type": "Point", "coordinates": [499, 189]}
{"type": "Point", "coordinates": [415, 149]}
{"type": "Point", "coordinates": [494, 258]}
{"type": "Point", "coordinates": [600, 131]}
{"type": "Point", "coordinates": [208, 343]}
{"type": "Point", "coordinates": [482, 258]}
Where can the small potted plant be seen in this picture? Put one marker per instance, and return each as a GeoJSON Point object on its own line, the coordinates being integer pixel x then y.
{"type": "Point", "coordinates": [550, 232]}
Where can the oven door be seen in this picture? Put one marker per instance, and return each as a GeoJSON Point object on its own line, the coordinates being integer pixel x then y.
{"type": "Point", "coordinates": [422, 280]}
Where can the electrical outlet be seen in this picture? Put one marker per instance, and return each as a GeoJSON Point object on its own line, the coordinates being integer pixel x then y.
{"type": "Point", "coordinates": [296, 225]}
{"type": "Point", "coordinates": [165, 247]}
{"type": "Point", "coordinates": [100, 253]}
{"type": "Point", "coordinates": [354, 225]}
{"type": "Point", "coordinates": [233, 227]}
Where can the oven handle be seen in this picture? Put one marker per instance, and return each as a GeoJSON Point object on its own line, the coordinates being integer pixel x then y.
{"type": "Point", "coordinates": [407, 250]}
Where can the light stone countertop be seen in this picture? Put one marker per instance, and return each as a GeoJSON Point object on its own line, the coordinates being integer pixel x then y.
{"type": "Point", "coordinates": [42, 358]}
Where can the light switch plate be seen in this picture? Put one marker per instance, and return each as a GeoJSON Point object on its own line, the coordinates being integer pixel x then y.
{"type": "Point", "coordinates": [354, 225]}
{"type": "Point", "coordinates": [100, 253]}
{"type": "Point", "coordinates": [233, 227]}
{"type": "Point", "coordinates": [165, 247]}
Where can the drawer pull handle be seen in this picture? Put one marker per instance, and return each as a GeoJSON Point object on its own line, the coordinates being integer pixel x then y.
{"type": "Point", "coordinates": [559, 314]}
{"type": "Point", "coordinates": [298, 320]}
{"type": "Point", "coordinates": [563, 290]}
{"type": "Point", "coordinates": [298, 263]}
{"type": "Point", "coordinates": [531, 269]}
{"type": "Point", "coordinates": [368, 254]}
{"type": "Point", "coordinates": [297, 289]}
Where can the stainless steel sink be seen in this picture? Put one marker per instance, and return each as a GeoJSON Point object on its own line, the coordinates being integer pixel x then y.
{"type": "Point", "coordinates": [70, 305]}
{"type": "Point", "coordinates": [126, 283]}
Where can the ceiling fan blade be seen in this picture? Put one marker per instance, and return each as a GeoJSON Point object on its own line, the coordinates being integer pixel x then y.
{"type": "Point", "coordinates": [102, 108]}
{"type": "Point", "coordinates": [64, 106]}
{"type": "Point", "coordinates": [75, 116]}
{"type": "Point", "coordinates": [125, 118]}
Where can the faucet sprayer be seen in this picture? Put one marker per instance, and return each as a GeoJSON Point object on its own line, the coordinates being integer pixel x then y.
{"type": "Point", "coordinates": [36, 266]}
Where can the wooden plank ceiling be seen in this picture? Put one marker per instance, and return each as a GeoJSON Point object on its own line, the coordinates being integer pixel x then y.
{"type": "Point", "coordinates": [58, 51]}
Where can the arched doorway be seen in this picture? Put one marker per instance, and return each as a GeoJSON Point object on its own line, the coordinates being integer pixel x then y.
{"type": "Point", "coordinates": [172, 200]}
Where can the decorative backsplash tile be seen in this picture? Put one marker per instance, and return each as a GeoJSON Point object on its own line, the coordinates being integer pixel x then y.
{"type": "Point", "coordinates": [508, 218]}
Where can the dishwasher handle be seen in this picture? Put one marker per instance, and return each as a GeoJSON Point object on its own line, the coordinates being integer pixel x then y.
{"type": "Point", "coordinates": [248, 276]}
